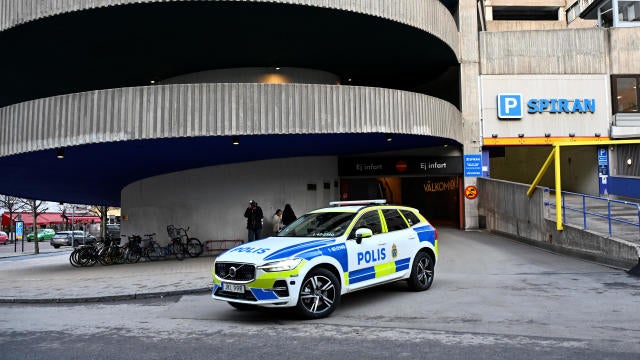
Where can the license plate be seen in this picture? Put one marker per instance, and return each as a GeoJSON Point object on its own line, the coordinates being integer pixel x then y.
{"type": "Point", "coordinates": [236, 288]}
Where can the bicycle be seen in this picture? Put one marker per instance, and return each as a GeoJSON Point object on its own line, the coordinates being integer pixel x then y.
{"type": "Point", "coordinates": [112, 253]}
{"type": "Point", "coordinates": [154, 251]}
{"type": "Point", "coordinates": [86, 255]}
{"type": "Point", "coordinates": [192, 246]}
{"type": "Point", "coordinates": [134, 250]}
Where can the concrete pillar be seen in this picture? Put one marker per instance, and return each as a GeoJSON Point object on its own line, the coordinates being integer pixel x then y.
{"type": "Point", "coordinates": [469, 80]}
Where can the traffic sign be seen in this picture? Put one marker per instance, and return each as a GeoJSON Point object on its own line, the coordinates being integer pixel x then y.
{"type": "Point", "coordinates": [471, 192]}
{"type": "Point", "coordinates": [510, 106]}
{"type": "Point", "coordinates": [19, 229]}
{"type": "Point", "coordinates": [473, 165]}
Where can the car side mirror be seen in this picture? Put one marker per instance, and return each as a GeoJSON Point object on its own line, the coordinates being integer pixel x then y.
{"type": "Point", "coordinates": [363, 233]}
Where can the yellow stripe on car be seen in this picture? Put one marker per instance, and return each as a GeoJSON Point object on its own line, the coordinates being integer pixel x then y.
{"type": "Point", "coordinates": [385, 269]}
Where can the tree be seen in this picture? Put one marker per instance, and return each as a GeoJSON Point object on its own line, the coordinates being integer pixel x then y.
{"type": "Point", "coordinates": [102, 211]}
{"type": "Point", "coordinates": [37, 208]}
{"type": "Point", "coordinates": [13, 205]}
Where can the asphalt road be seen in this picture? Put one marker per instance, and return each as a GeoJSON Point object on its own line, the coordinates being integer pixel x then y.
{"type": "Point", "coordinates": [492, 299]}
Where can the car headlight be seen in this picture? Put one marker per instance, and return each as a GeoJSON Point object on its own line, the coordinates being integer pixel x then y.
{"type": "Point", "coordinates": [280, 265]}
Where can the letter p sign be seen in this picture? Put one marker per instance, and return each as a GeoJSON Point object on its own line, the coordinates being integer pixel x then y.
{"type": "Point", "coordinates": [510, 106]}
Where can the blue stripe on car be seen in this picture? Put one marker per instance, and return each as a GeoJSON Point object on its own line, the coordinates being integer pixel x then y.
{"type": "Point", "coordinates": [426, 233]}
{"type": "Point", "coordinates": [215, 287]}
{"type": "Point", "coordinates": [357, 276]}
{"type": "Point", "coordinates": [338, 252]}
{"type": "Point", "coordinates": [369, 273]}
{"type": "Point", "coordinates": [289, 251]}
{"type": "Point", "coordinates": [262, 294]}
{"type": "Point", "coordinates": [402, 264]}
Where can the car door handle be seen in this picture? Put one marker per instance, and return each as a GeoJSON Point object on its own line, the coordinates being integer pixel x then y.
{"type": "Point", "coordinates": [380, 244]}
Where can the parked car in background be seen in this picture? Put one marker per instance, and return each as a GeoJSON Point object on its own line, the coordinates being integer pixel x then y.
{"type": "Point", "coordinates": [43, 234]}
{"type": "Point", "coordinates": [4, 239]}
{"type": "Point", "coordinates": [113, 232]}
{"type": "Point", "coordinates": [65, 238]}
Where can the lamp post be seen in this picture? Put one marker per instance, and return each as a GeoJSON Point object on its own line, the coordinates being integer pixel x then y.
{"type": "Point", "coordinates": [73, 212]}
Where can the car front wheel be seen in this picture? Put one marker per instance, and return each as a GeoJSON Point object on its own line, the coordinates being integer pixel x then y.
{"type": "Point", "coordinates": [319, 294]}
{"type": "Point", "coordinates": [422, 272]}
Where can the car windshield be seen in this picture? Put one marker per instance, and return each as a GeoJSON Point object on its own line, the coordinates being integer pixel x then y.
{"type": "Point", "coordinates": [322, 224]}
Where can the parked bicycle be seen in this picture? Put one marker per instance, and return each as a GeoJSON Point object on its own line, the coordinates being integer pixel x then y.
{"type": "Point", "coordinates": [134, 250]}
{"type": "Point", "coordinates": [86, 255]}
{"type": "Point", "coordinates": [155, 251]}
{"type": "Point", "coordinates": [192, 246]}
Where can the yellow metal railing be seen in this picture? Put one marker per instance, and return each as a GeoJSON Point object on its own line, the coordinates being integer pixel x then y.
{"type": "Point", "coordinates": [555, 156]}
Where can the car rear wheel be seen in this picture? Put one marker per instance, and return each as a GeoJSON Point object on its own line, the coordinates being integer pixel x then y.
{"type": "Point", "coordinates": [56, 246]}
{"type": "Point", "coordinates": [422, 272]}
{"type": "Point", "coordinates": [319, 294]}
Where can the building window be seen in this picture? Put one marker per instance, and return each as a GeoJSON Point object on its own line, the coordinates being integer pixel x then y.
{"type": "Point", "coordinates": [627, 13]}
{"type": "Point", "coordinates": [626, 94]}
{"type": "Point", "coordinates": [605, 15]}
{"type": "Point", "coordinates": [535, 13]}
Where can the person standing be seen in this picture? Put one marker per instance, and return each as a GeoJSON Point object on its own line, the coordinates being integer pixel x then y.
{"type": "Point", "coordinates": [254, 220]}
{"type": "Point", "coordinates": [277, 222]}
{"type": "Point", "coordinates": [288, 216]}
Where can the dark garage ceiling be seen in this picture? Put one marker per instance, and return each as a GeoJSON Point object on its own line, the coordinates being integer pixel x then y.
{"type": "Point", "coordinates": [123, 46]}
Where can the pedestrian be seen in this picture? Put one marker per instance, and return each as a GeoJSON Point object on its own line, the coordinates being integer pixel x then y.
{"type": "Point", "coordinates": [254, 220]}
{"type": "Point", "coordinates": [277, 221]}
{"type": "Point", "coordinates": [288, 216]}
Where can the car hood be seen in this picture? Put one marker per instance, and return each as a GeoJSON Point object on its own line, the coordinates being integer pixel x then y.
{"type": "Point", "coordinates": [273, 249]}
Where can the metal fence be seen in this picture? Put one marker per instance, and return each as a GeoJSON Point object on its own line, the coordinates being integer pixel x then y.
{"type": "Point", "coordinates": [617, 218]}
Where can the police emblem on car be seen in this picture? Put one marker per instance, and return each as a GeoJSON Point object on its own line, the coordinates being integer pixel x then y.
{"type": "Point", "coordinates": [327, 253]}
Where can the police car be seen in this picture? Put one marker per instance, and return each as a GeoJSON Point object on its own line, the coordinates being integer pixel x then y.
{"type": "Point", "coordinates": [327, 253]}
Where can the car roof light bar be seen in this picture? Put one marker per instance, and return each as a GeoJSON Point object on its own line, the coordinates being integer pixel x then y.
{"type": "Point", "coordinates": [358, 202]}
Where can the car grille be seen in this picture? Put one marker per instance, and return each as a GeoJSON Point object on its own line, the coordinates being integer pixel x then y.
{"type": "Point", "coordinates": [235, 271]}
{"type": "Point", "coordinates": [248, 295]}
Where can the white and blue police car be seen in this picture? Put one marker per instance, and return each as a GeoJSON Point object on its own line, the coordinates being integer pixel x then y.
{"type": "Point", "coordinates": [327, 253]}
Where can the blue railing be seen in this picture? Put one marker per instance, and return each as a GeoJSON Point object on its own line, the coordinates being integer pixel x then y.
{"type": "Point", "coordinates": [597, 213]}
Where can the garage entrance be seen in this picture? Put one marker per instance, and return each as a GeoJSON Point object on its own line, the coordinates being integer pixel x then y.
{"type": "Point", "coordinates": [431, 185]}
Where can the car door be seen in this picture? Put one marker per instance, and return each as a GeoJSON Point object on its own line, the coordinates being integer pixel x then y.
{"type": "Point", "coordinates": [366, 258]}
{"type": "Point", "coordinates": [401, 239]}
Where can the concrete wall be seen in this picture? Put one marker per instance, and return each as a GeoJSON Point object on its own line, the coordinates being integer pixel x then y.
{"type": "Point", "coordinates": [212, 200]}
{"type": "Point", "coordinates": [509, 211]}
{"type": "Point", "coordinates": [625, 50]}
{"type": "Point", "coordinates": [565, 51]}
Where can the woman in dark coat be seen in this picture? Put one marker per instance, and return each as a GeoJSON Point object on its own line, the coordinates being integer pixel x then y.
{"type": "Point", "coordinates": [288, 216]}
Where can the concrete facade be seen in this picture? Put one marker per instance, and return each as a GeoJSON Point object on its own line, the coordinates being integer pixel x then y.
{"type": "Point", "coordinates": [212, 200]}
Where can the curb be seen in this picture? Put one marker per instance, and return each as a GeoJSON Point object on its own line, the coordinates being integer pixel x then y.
{"type": "Point", "coordinates": [160, 294]}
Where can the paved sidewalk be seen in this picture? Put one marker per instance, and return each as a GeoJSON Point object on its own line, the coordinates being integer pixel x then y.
{"type": "Point", "coordinates": [28, 248]}
{"type": "Point", "coordinates": [51, 278]}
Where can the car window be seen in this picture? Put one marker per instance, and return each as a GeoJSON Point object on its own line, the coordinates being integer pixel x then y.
{"type": "Point", "coordinates": [323, 224]}
{"type": "Point", "coordinates": [369, 220]}
{"type": "Point", "coordinates": [411, 217]}
{"type": "Point", "coordinates": [394, 220]}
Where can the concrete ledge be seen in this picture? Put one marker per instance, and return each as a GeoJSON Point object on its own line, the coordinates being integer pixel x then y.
{"type": "Point", "coordinates": [104, 298]}
{"type": "Point", "coordinates": [624, 264]}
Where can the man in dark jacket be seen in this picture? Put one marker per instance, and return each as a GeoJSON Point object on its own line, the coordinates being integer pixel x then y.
{"type": "Point", "coordinates": [254, 220]}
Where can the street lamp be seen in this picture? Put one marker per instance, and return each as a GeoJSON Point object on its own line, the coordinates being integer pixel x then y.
{"type": "Point", "coordinates": [73, 212]}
